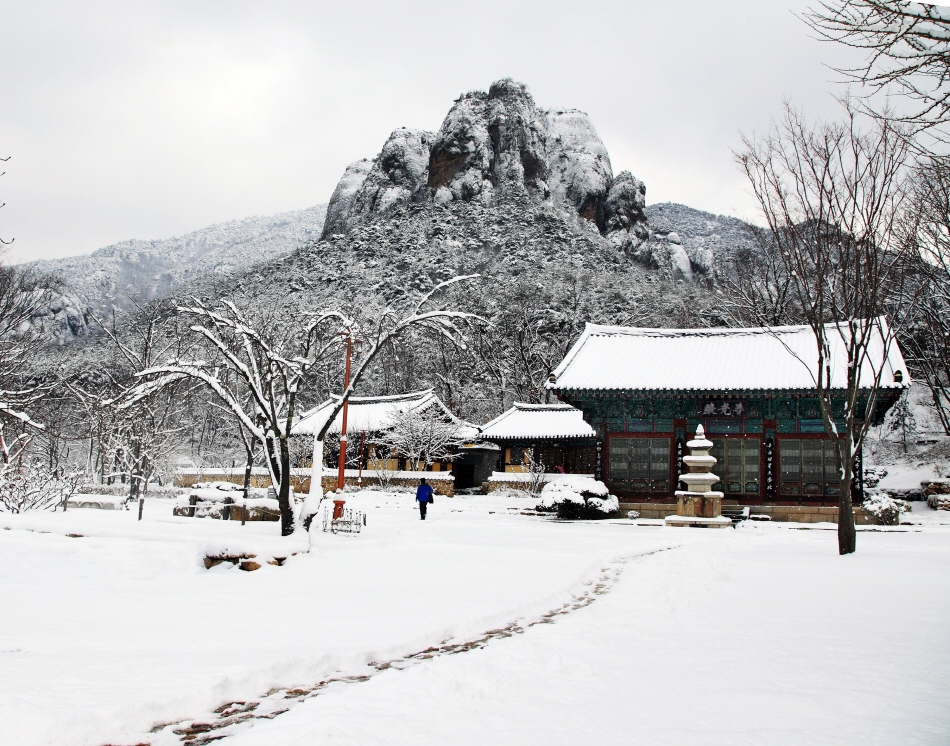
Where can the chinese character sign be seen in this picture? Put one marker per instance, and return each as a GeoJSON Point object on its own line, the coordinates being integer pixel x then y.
{"type": "Point", "coordinates": [680, 452]}
{"type": "Point", "coordinates": [723, 408]}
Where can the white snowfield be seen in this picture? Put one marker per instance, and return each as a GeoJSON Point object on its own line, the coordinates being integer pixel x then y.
{"type": "Point", "coordinates": [536, 631]}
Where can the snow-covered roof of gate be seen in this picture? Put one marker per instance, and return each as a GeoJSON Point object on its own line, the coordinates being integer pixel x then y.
{"type": "Point", "coordinates": [375, 413]}
{"type": "Point", "coordinates": [526, 421]}
{"type": "Point", "coordinates": [782, 358]}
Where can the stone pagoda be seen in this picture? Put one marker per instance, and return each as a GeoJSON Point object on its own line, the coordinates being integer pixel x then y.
{"type": "Point", "coordinates": [699, 505]}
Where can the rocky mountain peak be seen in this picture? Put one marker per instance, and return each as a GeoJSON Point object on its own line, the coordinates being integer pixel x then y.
{"type": "Point", "coordinates": [493, 148]}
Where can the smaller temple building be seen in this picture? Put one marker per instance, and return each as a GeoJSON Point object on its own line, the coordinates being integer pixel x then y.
{"type": "Point", "coordinates": [555, 436]}
{"type": "Point", "coordinates": [645, 391]}
{"type": "Point", "coordinates": [368, 416]}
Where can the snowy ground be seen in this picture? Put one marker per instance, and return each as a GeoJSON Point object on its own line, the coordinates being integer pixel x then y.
{"type": "Point", "coordinates": [534, 631]}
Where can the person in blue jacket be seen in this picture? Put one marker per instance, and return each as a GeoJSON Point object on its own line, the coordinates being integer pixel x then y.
{"type": "Point", "coordinates": [424, 497]}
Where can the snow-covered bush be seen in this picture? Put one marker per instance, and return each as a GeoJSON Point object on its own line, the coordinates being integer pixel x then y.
{"type": "Point", "coordinates": [578, 497]}
{"type": "Point", "coordinates": [885, 508]}
{"type": "Point", "coordinates": [27, 486]}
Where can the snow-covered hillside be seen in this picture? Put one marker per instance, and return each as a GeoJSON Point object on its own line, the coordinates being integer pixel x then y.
{"type": "Point", "coordinates": [691, 241]}
{"type": "Point", "coordinates": [142, 270]}
{"type": "Point", "coordinates": [524, 197]}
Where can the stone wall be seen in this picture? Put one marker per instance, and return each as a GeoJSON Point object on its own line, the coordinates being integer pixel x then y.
{"type": "Point", "coordinates": [299, 478]}
{"type": "Point", "coordinates": [443, 483]}
{"type": "Point", "coordinates": [783, 513]}
{"type": "Point", "coordinates": [439, 486]}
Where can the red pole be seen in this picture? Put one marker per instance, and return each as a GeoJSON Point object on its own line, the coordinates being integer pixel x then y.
{"type": "Point", "coordinates": [346, 384]}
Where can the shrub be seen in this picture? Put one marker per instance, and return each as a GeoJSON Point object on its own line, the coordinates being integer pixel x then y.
{"type": "Point", "coordinates": [573, 497]}
{"type": "Point", "coordinates": [885, 508]}
{"type": "Point", "coordinates": [29, 486]}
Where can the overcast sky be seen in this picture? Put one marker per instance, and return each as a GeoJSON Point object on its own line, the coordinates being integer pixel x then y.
{"type": "Point", "coordinates": [147, 120]}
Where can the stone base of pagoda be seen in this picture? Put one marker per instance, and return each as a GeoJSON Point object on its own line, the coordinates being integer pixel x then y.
{"type": "Point", "coordinates": [684, 521]}
{"type": "Point", "coordinates": [695, 504]}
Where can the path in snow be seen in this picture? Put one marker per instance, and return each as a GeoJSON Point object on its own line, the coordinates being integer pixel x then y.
{"type": "Point", "coordinates": [232, 717]}
{"type": "Point", "coordinates": [108, 634]}
{"type": "Point", "coordinates": [763, 635]}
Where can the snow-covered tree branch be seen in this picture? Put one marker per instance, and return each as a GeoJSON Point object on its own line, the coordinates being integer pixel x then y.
{"type": "Point", "coordinates": [258, 367]}
{"type": "Point", "coordinates": [21, 294]}
{"type": "Point", "coordinates": [421, 437]}
{"type": "Point", "coordinates": [907, 45]}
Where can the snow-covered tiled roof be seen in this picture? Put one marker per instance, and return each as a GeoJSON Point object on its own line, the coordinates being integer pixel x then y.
{"type": "Point", "coordinates": [782, 358]}
{"type": "Point", "coordinates": [525, 421]}
{"type": "Point", "coordinates": [375, 413]}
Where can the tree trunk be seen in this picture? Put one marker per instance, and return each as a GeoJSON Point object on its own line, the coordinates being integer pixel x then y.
{"type": "Point", "coordinates": [316, 468]}
{"type": "Point", "coordinates": [247, 473]}
{"type": "Point", "coordinates": [283, 493]}
{"type": "Point", "coordinates": [134, 469]}
{"type": "Point", "coordinates": [847, 536]}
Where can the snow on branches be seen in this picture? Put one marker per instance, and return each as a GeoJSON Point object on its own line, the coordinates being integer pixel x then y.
{"type": "Point", "coordinates": [257, 367]}
{"type": "Point", "coordinates": [421, 437]}
{"type": "Point", "coordinates": [907, 45]}
{"type": "Point", "coordinates": [28, 486]}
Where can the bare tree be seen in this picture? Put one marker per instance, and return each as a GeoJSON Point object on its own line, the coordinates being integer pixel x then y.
{"type": "Point", "coordinates": [258, 369]}
{"type": "Point", "coordinates": [139, 432]}
{"type": "Point", "coordinates": [22, 293]}
{"type": "Point", "coordinates": [382, 333]}
{"type": "Point", "coordinates": [834, 201]}
{"type": "Point", "coordinates": [532, 328]}
{"type": "Point", "coordinates": [907, 45]}
{"type": "Point", "coordinates": [536, 473]}
{"type": "Point", "coordinates": [420, 436]}
{"type": "Point", "coordinates": [27, 485]}
{"type": "Point", "coordinates": [928, 339]}
{"type": "Point", "coordinates": [758, 287]}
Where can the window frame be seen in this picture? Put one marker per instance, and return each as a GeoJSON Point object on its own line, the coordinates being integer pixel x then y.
{"type": "Point", "coordinates": [652, 489]}
{"type": "Point", "coordinates": [720, 467]}
{"type": "Point", "coordinates": [830, 488]}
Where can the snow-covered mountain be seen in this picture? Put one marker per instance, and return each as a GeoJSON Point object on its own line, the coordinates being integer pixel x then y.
{"type": "Point", "coordinates": [691, 242]}
{"type": "Point", "coordinates": [498, 148]}
{"type": "Point", "coordinates": [527, 199]}
{"type": "Point", "coordinates": [494, 148]}
{"type": "Point", "coordinates": [522, 196]}
{"type": "Point", "coordinates": [111, 277]}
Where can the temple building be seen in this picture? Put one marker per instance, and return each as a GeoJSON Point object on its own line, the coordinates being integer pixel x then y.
{"type": "Point", "coordinates": [552, 435]}
{"type": "Point", "coordinates": [369, 416]}
{"type": "Point", "coordinates": [644, 391]}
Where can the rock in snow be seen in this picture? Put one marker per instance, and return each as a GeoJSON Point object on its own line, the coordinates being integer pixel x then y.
{"type": "Point", "coordinates": [625, 219]}
{"type": "Point", "coordinates": [495, 147]}
{"type": "Point", "coordinates": [339, 208]}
